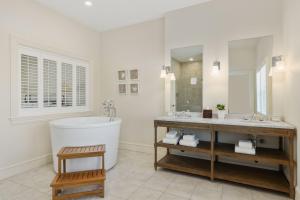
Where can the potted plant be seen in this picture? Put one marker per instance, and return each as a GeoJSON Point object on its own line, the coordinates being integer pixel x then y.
{"type": "Point", "coordinates": [221, 111]}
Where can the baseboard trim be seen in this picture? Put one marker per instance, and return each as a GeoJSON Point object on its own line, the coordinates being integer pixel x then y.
{"type": "Point", "coordinates": [24, 166]}
{"type": "Point", "coordinates": [144, 148]}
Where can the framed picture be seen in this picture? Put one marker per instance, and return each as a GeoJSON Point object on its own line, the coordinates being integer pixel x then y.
{"type": "Point", "coordinates": [134, 88]}
{"type": "Point", "coordinates": [122, 75]}
{"type": "Point", "coordinates": [122, 89]}
{"type": "Point", "coordinates": [134, 74]}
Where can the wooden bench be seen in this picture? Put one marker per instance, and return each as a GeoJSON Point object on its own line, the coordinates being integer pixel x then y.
{"type": "Point", "coordinates": [64, 179]}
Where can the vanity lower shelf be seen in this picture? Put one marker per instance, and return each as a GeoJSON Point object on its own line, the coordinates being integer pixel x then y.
{"type": "Point", "coordinates": [186, 164]}
{"type": "Point", "coordinates": [268, 179]}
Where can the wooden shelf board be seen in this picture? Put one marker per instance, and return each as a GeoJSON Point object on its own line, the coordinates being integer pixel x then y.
{"type": "Point", "coordinates": [203, 147]}
{"type": "Point", "coordinates": [186, 164]}
{"type": "Point", "coordinates": [81, 152]}
{"type": "Point", "coordinates": [263, 155]}
{"type": "Point", "coordinates": [78, 178]}
{"type": "Point", "coordinates": [268, 179]}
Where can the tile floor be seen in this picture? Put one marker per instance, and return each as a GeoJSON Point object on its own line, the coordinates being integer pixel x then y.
{"type": "Point", "coordinates": [135, 179]}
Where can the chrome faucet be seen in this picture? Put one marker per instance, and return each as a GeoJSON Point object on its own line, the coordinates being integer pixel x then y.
{"type": "Point", "coordinates": [109, 109]}
{"type": "Point", "coordinates": [259, 117]}
{"type": "Point", "coordinates": [185, 114]}
{"type": "Point", "coordinates": [253, 117]}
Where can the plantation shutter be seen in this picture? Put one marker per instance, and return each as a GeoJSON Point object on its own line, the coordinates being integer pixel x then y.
{"type": "Point", "coordinates": [66, 85]}
{"type": "Point", "coordinates": [81, 85]}
{"type": "Point", "coordinates": [29, 81]}
{"type": "Point", "coordinates": [50, 83]}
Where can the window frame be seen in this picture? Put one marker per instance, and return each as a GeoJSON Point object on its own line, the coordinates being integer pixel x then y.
{"type": "Point", "coordinates": [16, 107]}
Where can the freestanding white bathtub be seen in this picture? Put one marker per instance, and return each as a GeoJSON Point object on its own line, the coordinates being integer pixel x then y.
{"type": "Point", "coordinates": [85, 131]}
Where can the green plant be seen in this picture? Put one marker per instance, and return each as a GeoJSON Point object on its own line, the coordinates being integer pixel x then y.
{"type": "Point", "coordinates": [221, 107]}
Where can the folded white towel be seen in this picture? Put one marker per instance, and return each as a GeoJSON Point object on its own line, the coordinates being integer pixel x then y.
{"type": "Point", "coordinates": [242, 150]}
{"type": "Point", "coordinates": [171, 140]}
{"type": "Point", "coordinates": [189, 137]}
{"type": "Point", "coordinates": [189, 143]}
{"type": "Point", "coordinates": [246, 144]}
{"type": "Point", "coordinates": [171, 134]}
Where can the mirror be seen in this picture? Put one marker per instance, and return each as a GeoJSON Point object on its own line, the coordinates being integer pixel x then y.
{"type": "Point", "coordinates": [249, 81]}
{"type": "Point", "coordinates": [187, 65]}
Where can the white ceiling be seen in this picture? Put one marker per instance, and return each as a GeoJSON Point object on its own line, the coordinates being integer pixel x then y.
{"type": "Point", "coordinates": [184, 54]}
{"type": "Point", "coordinates": [111, 14]}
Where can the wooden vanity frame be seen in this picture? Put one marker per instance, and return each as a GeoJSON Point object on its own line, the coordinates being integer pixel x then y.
{"type": "Point", "coordinates": [243, 174]}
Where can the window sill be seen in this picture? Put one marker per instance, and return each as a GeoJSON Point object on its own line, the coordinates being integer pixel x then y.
{"type": "Point", "coordinates": [46, 118]}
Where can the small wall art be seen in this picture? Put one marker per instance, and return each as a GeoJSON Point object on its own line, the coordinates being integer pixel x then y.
{"type": "Point", "coordinates": [122, 89]}
{"type": "Point", "coordinates": [122, 75]}
{"type": "Point", "coordinates": [128, 82]}
{"type": "Point", "coordinates": [134, 74]}
{"type": "Point", "coordinates": [134, 88]}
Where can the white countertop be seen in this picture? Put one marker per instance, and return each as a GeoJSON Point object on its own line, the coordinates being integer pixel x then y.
{"type": "Point", "coordinates": [237, 122]}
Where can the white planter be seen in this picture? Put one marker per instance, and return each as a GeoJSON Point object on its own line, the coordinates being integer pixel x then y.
{"type": "Point", "coordinates": [221, 114]}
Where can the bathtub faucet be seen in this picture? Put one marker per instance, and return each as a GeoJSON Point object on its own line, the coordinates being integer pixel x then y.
{"type": "Point", "coordinates": [109, 109]}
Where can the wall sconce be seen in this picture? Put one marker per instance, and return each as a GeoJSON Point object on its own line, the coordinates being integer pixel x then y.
{"type": "Point", "coordinates": [163, 73]}
{"type": "Point", "coordinates": [166, 71]}
{"type": "Point", "coordinates": [277, 63]}
{"type": "Point", "coordinates": [216, 67]}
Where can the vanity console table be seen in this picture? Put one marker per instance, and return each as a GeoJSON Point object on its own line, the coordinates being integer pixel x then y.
{"type": "Point", "coordinates": [213, 168]}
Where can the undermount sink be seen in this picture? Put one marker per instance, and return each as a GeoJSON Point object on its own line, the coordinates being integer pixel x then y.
{"type": "Point", "coordinates": [255, 121]}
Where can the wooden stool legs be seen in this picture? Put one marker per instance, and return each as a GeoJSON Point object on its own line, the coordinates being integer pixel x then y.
{"type": "Point", "coordinates": [64, 179]}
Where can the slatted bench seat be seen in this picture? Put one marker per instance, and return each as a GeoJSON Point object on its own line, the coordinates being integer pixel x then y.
{"type": "Point", "coordinates": [64, 179]}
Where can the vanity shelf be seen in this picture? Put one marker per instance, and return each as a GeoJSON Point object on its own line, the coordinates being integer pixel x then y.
{"type": "Point", "coordinates": [203, 147]}
{"type": "Point", "coordinates": [244, 174]}
{"type": "Point", "coordinates": [263, 155]}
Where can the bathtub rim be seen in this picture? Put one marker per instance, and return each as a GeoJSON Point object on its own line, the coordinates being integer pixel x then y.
{"type": "Point", "coordinates": [58, 123]}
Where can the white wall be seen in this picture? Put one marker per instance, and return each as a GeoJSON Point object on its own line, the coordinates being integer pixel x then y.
{"type": "Point", "coordinates": [292, 51]}
{"type": "Point", "coordinates": [213, 25]}
{"type": "Point", "coordinates": [25, 145]}
{"type": "Point", "coordinates": [140, 46]}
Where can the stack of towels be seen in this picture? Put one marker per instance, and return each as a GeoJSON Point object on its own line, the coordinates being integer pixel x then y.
{"type": "Point", "coordinates": [189, 140]}
{"type": "Point", "coordinates": [245, 147]}
{"type": "Point", "coordinates": [172, 137]}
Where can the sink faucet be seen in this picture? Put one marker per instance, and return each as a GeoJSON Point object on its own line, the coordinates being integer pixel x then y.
{"type": "Point", "coordinates": [253, 117]}
{"type": "Point", "coordinates": [258, 117]}
{"type": "Point", "coordinates": [109, 109]}
{"type": "Point", "coordinates": [185, 114]}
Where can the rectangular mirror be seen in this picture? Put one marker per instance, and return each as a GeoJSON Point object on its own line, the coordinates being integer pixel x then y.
{"type": "Point", "coordinates": [250, 62]}
{"type": "Point", "coordinates": [187, 65]}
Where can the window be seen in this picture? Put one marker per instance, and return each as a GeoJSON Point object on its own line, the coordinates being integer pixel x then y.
{"type": "Point", "coordinates": [66, 85]}
{"type": "Point", "coordinates": [81, 85]}
{"type": "Point", "coordinates": [50, 83]}
{"type": "Point", "coordinates": [29, 81]}
{"type": "Point", "coordinates": [261, 90]}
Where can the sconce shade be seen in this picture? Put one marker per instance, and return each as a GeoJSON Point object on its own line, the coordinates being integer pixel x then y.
{"type": "Point", "coordinates": [172, 76]}
{"type": "Point", "coordinates": [278, 62]}
{"type": "Point", "coordinates": [163, 73]}
{"type": "Point", "coordinates": [280, 65]}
